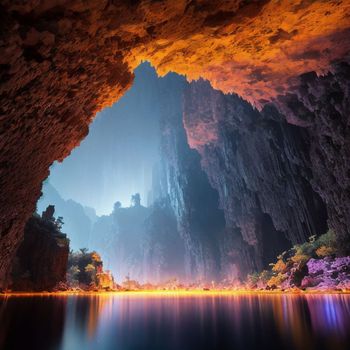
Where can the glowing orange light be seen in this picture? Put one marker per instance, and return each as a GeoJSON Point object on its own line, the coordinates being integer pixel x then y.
{"type": "Point", "coordinates": [172, 293]}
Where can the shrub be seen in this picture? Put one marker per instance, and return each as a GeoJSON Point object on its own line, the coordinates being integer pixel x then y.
{"type": "Point", "coordinates": [325, 251]}
{"type": "Point", "coordinates": [300, 258]}
{"type": "Point", "coordinates": [276, 280]}
{"type": "Point", "coordinates": [279, 266]}
{"type": "Point", "coordinates": [303, 251]}
{"type": "Point", "coordinates": [265, 276]}
{"type": "Point", "coordinates": [295, 259]}
{"type": "Point", "coordinates": [252, 279]}
{"type": "Point", "coordinates": [328, 239]}
{"type": "Point", "coordinates": [72, 275]}
{"type": "Point", "coordinates": [88, 265]}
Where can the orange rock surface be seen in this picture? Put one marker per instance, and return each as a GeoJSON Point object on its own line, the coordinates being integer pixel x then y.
{"type": "Point", "coordinates": [254, 49]}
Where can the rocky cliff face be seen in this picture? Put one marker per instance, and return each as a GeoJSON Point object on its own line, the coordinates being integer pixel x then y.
{"type": "Point", "coordinates": [195, 203]}
{"type": "Point", "coordinates": [321, 105]}
{"type": "Point", "coordinates": [164, 250]}
{"type": "Point", "coordinates": [210, 254]}
{"type": "Point", "coordinates": [260, 166]}
{"type": "Point", "coordinates": [182, 233]}
{"type": "Point", "coordinates": [139, 242]}
{"type": "Point", "coordinates": [78, 220]}
{"type": "Point", "coordinates": [280, 173]}
{"type": "Point", "coordinates": [287, 166]}
{"type": "Point", "coordinates": [41, 260]}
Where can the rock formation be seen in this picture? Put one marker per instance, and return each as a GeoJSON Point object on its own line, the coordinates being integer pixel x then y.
{"type": "Point", "coordinates": [328, 273]}
{"type": "Point", "coordinates": [62, 61]}
{"type": "Point", "coordinates": [194, 202]}
{"type": "Point", "coordinates": [85, 271]}
{"type": "Point", "coordinates": [210, 254]}
{"type": "Point", "coordinates": [78, 220]}
{"type": "Point", "coordinates": [141, 243]}
{"type": "Point", "coordinates": [260, 166]}
{"type": "Point", "coordinates": [321, 105]}
{"type": "Point", "coordinates": [41, 260]}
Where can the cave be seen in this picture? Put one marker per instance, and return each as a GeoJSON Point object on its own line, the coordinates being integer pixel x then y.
{"type": "Point", "coordinates": [249, 187]}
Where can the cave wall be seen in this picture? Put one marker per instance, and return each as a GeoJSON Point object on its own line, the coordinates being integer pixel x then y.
{"type": "Point", "coordinates": [321, 105]}
{"type": "Point", "coordinates": [210, 253]}
{"type": "Point", "coordinates": [50, 90]}
{"type": "Point", "coordinates": [260, 166]}
{"type": "Point", "coordinates": [289, 161]}
{"type": "Point", "coordinates": [62, 61]}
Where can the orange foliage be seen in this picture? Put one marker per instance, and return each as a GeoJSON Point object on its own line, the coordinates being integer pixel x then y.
{"type": "Point", "coordinates": [280, 266]}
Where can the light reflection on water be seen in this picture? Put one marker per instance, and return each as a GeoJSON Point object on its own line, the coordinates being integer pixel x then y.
{"type": "Point", "coordinates": [210, 322]}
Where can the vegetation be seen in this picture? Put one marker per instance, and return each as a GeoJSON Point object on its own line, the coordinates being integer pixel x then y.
{"type": "Point", "coordinates": [290, 267]}
{"type": "Point", "coordinates": [136, 200]}
{"type": "Point", "coordinates": [83, 267]}
{"type": "Point", "coordinates": [322, 246]}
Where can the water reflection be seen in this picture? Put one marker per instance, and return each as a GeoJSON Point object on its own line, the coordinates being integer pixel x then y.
{"type": "Point", "coordinates": [31, 323]}
{"type": "Point", "coordinates": [211, 322]}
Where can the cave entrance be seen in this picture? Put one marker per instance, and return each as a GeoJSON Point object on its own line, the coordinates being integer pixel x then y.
{"type": "Point", "coordinates": [135, 192]}
{"type": "Point", "coordinates": [110, 193]}
{"type": "Point", "coordinates": [180, 182]}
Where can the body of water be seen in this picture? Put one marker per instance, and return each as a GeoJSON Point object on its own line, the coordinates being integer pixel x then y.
{"type": "Point", "coordinates": [127, 322]}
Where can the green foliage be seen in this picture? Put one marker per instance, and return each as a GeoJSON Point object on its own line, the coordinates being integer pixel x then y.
{"type": "Point", "coordinates": [328, 239]}
{"type": "Point", "coordinates": [303, 252]}
{"type": "Point", "coordinates": [253, 279]}
{"type": "Point", "coordinates": [325, 251]}
{"type": "Point", "coordinates": [276, 280]}
{"type": "Point", "coordinates": [90, 269]}
{"type": "Point", "coordinates": [59, 223]}
{"type": "Point", "coordinates": [300, 254]}
{"type": "Point", "coordinates": [136, 200]}
{"type": "Point", "coordinates": [264, 276]}
{"type": "Point", "coordinates": [326, 245]}
{"type": "Point", "coordinates": [72, 275]}
{"type": "Point", "coordinates": [84, 251]}
{"type": "Point", "coordinates": [83, 267]}
{"type": "Point", "coordinates": [321, 246]}
{"type": "Point", "coordinates": [259, 280]}
{"type": "Point", "coordinates": [96, 257]}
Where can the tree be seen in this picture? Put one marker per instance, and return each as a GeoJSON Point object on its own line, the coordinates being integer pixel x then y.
{"type": "Point", "coordinates": [59, 223]}
{"type": "Point", "coordinates": [83, 250]}
{"type": "Point", "coordinates": [91, 271]}
{"type": "Point", "coordinates": [73, 274]}
{"type": "Point", "coordinates": [136, 200]}
{"type": "Point", "coordinates": [117, 205]}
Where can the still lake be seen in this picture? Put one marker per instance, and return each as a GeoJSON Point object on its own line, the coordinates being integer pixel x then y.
{"type": "Point", "coordinates": [129, 322]}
